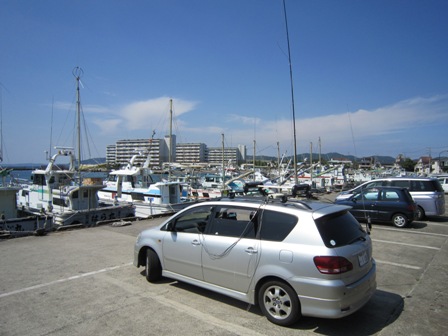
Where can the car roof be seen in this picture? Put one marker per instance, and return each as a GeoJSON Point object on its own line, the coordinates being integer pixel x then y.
{"type": "Point", "coordinates": [385, 187]}
{"type": "Point", "coordinates": [413, 178]}
{"type": "Point", "coordinates": [317, 208]}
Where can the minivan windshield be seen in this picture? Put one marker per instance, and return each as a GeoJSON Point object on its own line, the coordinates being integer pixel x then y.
{"type": "Point", "coordinates": [340, 229]}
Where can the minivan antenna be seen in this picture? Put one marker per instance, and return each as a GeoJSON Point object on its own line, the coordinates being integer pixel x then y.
{"type": "Point", "coordinates": [292, 95]}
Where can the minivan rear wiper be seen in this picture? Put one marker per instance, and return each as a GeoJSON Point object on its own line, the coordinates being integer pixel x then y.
{"type": "Point", "coordinates": [356, 239]}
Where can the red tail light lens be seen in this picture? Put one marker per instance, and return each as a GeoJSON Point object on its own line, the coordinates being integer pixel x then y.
{"type": "Point", "coordinates": [332, 265]}
{"type": "Point", "coordinates": [412, 207]}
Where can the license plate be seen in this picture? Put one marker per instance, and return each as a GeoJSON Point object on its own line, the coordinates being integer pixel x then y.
{"type": "Point", "coordinates": [363, 258]}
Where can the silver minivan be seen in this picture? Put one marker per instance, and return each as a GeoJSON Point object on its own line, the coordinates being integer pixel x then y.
{"type": "Point", "coordinates": [293, 259]}
{"type": "Point", "coordinates": [426, 192]}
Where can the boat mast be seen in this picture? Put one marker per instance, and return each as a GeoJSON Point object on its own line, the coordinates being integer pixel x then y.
{"type": "Point", "coordinates": [1, 126]}
{"type": "Point", "coordinates": [78, 72]}
{"type": "Point", "coordinates": [292, 95]}
{"type": "Point", "coordinates": [278, 158]}
{"type": "Point", "coordinates": [170, 158]}
{"type": "Point", "coordinates": [223, 165]}
{"type": "Point", "coordinates": [320, 152]}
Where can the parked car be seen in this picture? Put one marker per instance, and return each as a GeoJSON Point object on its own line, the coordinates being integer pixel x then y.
{"type": "Point", "coordinates": [426, 192]}
{"type": "Point", "coordinates": [443, 179]}
{"type": "Point", "coordinates": [382, 204]}
{"type": "Point", "coordinates": [292, 258]}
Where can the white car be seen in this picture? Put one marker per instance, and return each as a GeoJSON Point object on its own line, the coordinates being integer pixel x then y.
{"type": "Point", "coordinates": [444, 183]}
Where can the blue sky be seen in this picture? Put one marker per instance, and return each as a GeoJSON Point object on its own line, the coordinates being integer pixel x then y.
{"type": "Point", "coordinates": [370, 77]}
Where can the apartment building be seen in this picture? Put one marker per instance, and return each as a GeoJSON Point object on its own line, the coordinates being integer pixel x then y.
{"type": "Point", "coordinates": [156, 150]}
{"type": "Point", "coordinates": [159, 152]}
{"type": "Point", "coordinates": [111, 154]}
{"type": "Point", "coordinates": [216, 155]}
{"type": "Point", "coordinates": [189, 153]}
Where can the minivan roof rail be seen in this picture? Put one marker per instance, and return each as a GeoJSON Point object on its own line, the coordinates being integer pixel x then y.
{"type": "Point", "coordinates": [283, 199]}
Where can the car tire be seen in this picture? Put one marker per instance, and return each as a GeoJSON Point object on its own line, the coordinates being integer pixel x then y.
{"type": "Point", "coordinates": [153, 268]}
{"type": "Point", "coordinates": [420, 213]}
{"type": "Point", "coordinates": [279, 303]}
{"type": "Point", "coordinates": [400, 220]}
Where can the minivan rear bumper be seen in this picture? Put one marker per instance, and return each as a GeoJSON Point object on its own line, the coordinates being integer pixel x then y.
{"type": "Point", "coordinates": [336, 299]}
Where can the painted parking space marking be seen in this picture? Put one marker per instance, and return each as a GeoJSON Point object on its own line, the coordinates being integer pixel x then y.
{"type": "Point", "coordinates": [413, 232]}
{"type": "Point", "coordinates": [75, 277]}
{"type": "Point", "coordinates": [398, 265]}
{"type": "Point", "coordinates": [406, 244]}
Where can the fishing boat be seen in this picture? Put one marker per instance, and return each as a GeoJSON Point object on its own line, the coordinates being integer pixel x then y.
{"type": "Point", "coordinates": [139, 185]}
{"type": "Point", "coordinates": [59, 190]}
{"type": "Point", "coordinates": [322, 177]}
{"type": "Point", "coordinates": [12, 222]}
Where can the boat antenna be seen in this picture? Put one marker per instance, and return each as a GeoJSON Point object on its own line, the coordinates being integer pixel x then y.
{"type": "Point", "coordinates": [292, 94]}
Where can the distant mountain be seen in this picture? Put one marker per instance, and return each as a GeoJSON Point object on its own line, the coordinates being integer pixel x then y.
{"type": "Point", "coordinates": [327, 157]}
{"type": "Point", "coordinates": [24, 165]}
{"type": "Point", "coordinates": [39, 165]}
{"type": "Point", "coordinates": [94, 161]}
{"type": "Point", "coordinates": [379, 158]}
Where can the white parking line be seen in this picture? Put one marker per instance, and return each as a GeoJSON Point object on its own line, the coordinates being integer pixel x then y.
{"type": "Point", "coordinates": [412, 232]}
{"type": "Point", "coordinates": [396, 264]}
{"type": "Point", "coordinates": [63, 280]}
{"type": "Point", "coordinates": [405, 244]}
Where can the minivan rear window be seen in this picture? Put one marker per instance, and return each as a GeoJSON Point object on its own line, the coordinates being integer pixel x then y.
{"type": "Point", "coordinates": [275, 226]}
{"type": "Point", "coordinates": [339, 229]}
{"type": "Point", "coordinates": [426, 185]}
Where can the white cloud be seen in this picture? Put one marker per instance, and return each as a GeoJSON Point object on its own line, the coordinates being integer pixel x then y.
{"type": "Point", "coordinates": [335, 130]}
{"type": "Point", "coordinates": [377, 128]}
{"type": "Point", "coordinates": [243, 119]}
{"type": "Point", "coordinates": [108, 126]}
{"type": "Point", "coordinates": [143, 115]}
{"type": "Point", "coordinates": [95, 109]}
{"type": "Point", "coordinates": [146, 114]}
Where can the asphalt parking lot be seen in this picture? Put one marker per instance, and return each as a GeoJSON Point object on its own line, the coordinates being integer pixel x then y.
{"type": "Point", "coordinates": [82, 282]}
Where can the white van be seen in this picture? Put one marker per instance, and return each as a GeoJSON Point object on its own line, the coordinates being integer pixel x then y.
{"type": "Point", "coordinates": [443, 179]}
{"type": "Point", "coordinates": [427, 193]}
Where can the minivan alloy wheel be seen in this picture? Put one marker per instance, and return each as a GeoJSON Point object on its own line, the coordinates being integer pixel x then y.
{"type": "Point", "coordinates": [279, 303]}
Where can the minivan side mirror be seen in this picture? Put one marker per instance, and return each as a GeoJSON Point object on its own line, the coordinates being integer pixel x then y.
{"type": "Point", "coordinates": [170, 226]}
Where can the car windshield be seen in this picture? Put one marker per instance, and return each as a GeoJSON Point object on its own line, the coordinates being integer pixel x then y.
{"type": "Point", "coordinates": [339, 229]}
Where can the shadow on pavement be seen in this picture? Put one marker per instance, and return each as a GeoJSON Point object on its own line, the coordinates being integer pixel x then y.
{"type": "Point", "coordinates": [438, 219]}
{"type": "Point", "coordinates": [382, 309]}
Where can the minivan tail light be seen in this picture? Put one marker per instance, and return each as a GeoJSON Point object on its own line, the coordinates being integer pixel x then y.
{"type": "Point", "coordinates": [332, 265]}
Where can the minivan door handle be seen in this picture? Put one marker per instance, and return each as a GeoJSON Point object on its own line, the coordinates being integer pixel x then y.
{"type": "Point", "coordinates": [251, 250]}
{"type": "Point", "coordinates": [196, 242]}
